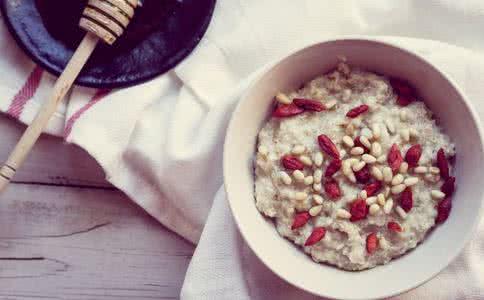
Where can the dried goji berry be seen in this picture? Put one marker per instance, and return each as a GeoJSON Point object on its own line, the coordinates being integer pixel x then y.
{"type": "Point", "coordinates": [333, 167]}
{"type": "Point", "coordinates": [442, 164]}
{"type": "Point", "coordinates": [328, 146]}
{"type": "Point", "coordinates": [394, 158]}
{"type": "Point", "coordinates": [406, 199]}
{"type": "Point", "coordinates": [308, 104]}
{"type": "Point", "coordinates": [449, 186]}
{"type": "Point", "coordinates": [363, 175]}
{"type": "Point", "coordinates": [443, 210]}
{"type": "Point", "coordinates": [401, 87]}
{"type": "Point", "coordinates": [394, 226]}
{"type": "Point", "coordinates": [317, 235]}
{"type": "Point", "coordinates": [287, 110]}
{"type": "Point", "coordinates": [358, 210]}
{"type": "Point", "coordinates": [331, 187]}
{"type": "Point", "coordinates": [372, 243]}
{"type": "Point", "coordinates": [372, 188]}
{"type": "Point", "coordinates": [355, 112]}
{"type": "Point", "coordinates": [413, 155]}
{"type": "Point", "coordinates": [404, 100]}
{"type": "Point", "coordinates": [291, 162]}
{"type": "Point", "coordinates": [405, 93]}
{"type": "Point", "coordinates": [300, 219]}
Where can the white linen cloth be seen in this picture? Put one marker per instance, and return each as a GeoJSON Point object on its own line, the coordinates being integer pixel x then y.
{"type": "Point", "coordinates": [161, 142]}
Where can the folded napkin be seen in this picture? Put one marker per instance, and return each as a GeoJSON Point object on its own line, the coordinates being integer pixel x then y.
{"type": "Point", "coordinates": [163, 144]}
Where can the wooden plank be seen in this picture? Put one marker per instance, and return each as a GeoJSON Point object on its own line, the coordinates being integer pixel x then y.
{"type": "Point", "coordinates": [72, 165]}
{"type": "Point", "coordinates": [83, 243]}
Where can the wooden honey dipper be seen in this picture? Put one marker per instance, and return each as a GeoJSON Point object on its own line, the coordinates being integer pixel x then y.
{"type": "Point", "coordinates": [102, 19]}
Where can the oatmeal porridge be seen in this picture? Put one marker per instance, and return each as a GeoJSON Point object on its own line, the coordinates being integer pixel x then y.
{"type": "Point", "coordinates": [353, 168]}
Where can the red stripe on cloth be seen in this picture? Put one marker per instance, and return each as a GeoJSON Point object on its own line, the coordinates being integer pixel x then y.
{"type": "Point", "coordinates": [96, 98]}
{"type": "Point", "coordinates": [26, 93]}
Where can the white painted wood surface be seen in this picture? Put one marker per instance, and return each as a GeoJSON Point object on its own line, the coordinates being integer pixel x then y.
{"type": "Point", "coordinates": [65, 233]}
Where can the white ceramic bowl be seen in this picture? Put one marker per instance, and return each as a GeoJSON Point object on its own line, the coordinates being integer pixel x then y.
{"type": "Point", "coordinates": [440, 94]}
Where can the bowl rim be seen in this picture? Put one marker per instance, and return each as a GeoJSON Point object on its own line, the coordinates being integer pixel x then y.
{"type": "Point", "coordinates": [267, 69]}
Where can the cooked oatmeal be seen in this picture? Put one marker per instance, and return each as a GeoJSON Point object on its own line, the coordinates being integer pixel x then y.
{"type": "Point", "coordinates": [353, 168]}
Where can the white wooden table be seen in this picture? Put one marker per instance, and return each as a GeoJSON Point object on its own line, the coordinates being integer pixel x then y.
{"type": "Point", "coordinates": [65, 233]}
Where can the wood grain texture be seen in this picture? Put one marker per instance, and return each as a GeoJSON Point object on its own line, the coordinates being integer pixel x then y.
{"type": "Point", "coordinates": [65, 233]}
{"type": "Point", "coordinates": [80, 243]}
{"type": "Point", "coordinates": [73, 166]}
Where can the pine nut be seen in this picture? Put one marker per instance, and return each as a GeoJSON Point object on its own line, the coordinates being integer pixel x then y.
{"type": "Point", "coordinates": [381, 159]}
{"type": "Point", "coordinates": [318, 199]}
{"type": "Point", "coordinates": [386, 191]}
{"type": "Point", "coordinates": [352, 161]}
{"type": "Point", "coordinates": [366, 132]}
{"type": "Point", "coordinates": [390, 126]}
{"type": "Point", "coordinates": [300, 196]}
{"type": "Point", "coordinates": [397, 189]}
{"type": "Point", "coordinates": [287, 194]}
{"type": "Point", "coordinates": [432, 178]}
{"type": "Point", "coordinates": [352, 178]}
{"type": "Point", "coordinates": [318, 159]}
{"type": "Point", "coordinates": [374, 209]}
{"type": "Point", "coordinates": [387, 174]}
{"type": "Point", "coordinates": [356, 122]}
{"type": "Point", "coordinates": [346, 95]}
{"type": "Point", "coordinates": [308, 180]}
{"type": "Point", "coordinates": [401, 212]}
{"type": "Point", "coordinates": [397, 179]}
{"type": "Point", "coordinates": [283, 98]}
{"type": "Point", "coordinates": [375, 128]}
{"type": "Point", "coordinates": [348, 141]}
{"type": "Point", "coordinates": [357, 151]}
{"type": "Point", "coordinates": [380, 199]}
{"type": "Point", "coordinates": [434, 170]}
{"type": "Point", "coordinates": [410, 181]}
{"type": "Point", "coordinates": [317, 187]}
{"type": "Point", "coordinates": [286, 179]}
{"type": "Point", "coordinates": [358, 166]}
{"type": "Point", "coordinates": [342, 153]}
{"type": "Point", "coordinates": [330, 104]}
{"type": "Point", "coordinates": [405, 135]}
{"type": "Point", "coordinates": [346, 168]}
{"type": "Point", "coordinates": [403, 115]}
{"type": "Point", "coordinates": [318, 176]}
{"type": "Point", "coordinates": [370, 200]}
{"type": "Point", "coordinates": [289, 210]}
{"type": "Point", "coordinates": [350, 129]}
{"type": "Point", "coordinates": [306, 160]}
{"type": "Point", "coordinates": [387, 208]}
{"type": "Point", "coordinates": [315, 210]}
{"type": "Point", "coordinates": [363, 194]}
{"type": "Point", "coordinates": [376, 149]}
{"type": "Point", "coordinates": [263, 150]}
{"type": "Point", "coordinates": [375, 172]}
{"type": "Point", "coordinates": [420, 170]}
{"type": "Point", "coordinates": [364, 140]}
{"type": "Point", "coordinates": [413, 132]}
{"type": "Point", "coordinates": [298, 149]}
{"type": "Point", "coordinates": [383, 243]}
{"type": "Point", "coordinates": [369, 159]}
{"type": "Point", "coordinates": [436, 194]}
{"type": "Point", "coordinates": [298, 175]}
{"type": "Point", "coordinates": [403, 167]}
{"type": "Point", "coordinates": [343, 213]}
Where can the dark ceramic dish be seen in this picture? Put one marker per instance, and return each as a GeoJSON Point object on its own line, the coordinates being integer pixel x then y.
{"type": "Point", "coordinates": [162, 33]}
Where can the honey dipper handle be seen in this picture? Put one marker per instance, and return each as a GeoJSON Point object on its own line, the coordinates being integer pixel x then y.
{"type": "Point", "coordinates": [61, 87]}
